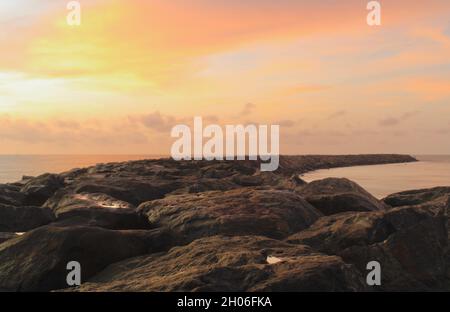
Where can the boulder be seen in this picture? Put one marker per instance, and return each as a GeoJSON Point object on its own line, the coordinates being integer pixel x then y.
{"type": "Point", "coordinates": [39, 189]}
{"type": "Point", "coordinates": [96, 210]}
{"type": "Point", "coordinates": [334, 195]}
{"type": "Point", "coordinates": [245, 211]}
{"type": "Point", "coordinates": [409, 243]}
{"type": "Point", "coordinates": [219, 263]}
{"type": "Point", "coordinates": [437, 198]}
{"type": "Point", "coordinates": [23, 218]}
{"type": "Point", "coordinates": [10, 195]}
{"type": "Point", "coordinates": [37, 260]}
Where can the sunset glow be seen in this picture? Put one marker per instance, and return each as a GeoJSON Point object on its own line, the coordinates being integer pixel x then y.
{"type": "Point", "coordinates": [133, 69]}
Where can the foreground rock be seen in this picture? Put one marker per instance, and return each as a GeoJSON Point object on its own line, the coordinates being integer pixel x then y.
{"type": "Point", "coordinates": [96, 210]}
{"type": "Point", "coordinates": [437, 198]}
{"type": "Point", "coordinates": [36, 261]}
{"type": "Point", "coordinates": [218, 263]}
{"type": "Point", "coordinates": [333, 195]}
{"type": "Point", "coordinates": [410, 243]}
{"type": "Point", "coordinates": [23, 218]}
{"type": "Point", "coordinates": [245, 211]}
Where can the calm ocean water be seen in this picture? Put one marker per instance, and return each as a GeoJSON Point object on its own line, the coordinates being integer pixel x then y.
{"type": "Point", "coordinates": [13, 167]}
{"type": "Point", "coordinates": [382, 180]}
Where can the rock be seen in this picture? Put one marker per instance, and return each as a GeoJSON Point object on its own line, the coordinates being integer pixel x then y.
{"type": "Point", "coordinates": [23, 218]}
{"type": "Point", "coordinates": [245, 211]}
{"type": "Point", "coordinates": [219, 263]}
{"type": "Point", "coordinates": [297, 180]}
{"type": "Point", "coordinates": [96, 210]}
{"type": "Point", "coordinates": [304, 163]}
{"type": "Point", "coordinates": [408, 242]}
{"type": "Point", "coordinates": [438, 198]}
{"type": "Point", "coordinates": [37, 260]}
{"type": "Point", "coordinates": [39, 189]}
{"type": "Point", "coordinates": [10, 195]}
{"type": "Point", "coordinates": [7, 236]}
{"type": "Point", "coordinates": [334, 195]}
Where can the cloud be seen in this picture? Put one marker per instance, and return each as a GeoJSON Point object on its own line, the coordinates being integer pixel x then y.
{"type": "Point", "coordinates": [337, 114]}
{"type": "Point", "coordinates": [157, 122]}
{"type": "Point", "coordinates": [286, 123]}
{"type": "Point", "coordinates": [389, 122]}
{"type": "Point", "coordinates": [408, 115]}
{"type": "Point", "coordinates": [247, 110]}
{"type": "Point", "coordinates": [211, 119]}
{"type": "Point", "coordinates": [22, 135]}
{"type": "Point", "coordinates": [300, 89]}
{"type": "Point", "coordinates": [393, 121]}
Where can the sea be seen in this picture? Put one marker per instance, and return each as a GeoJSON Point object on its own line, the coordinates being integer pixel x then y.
{"type": "Point", "coordinates": [382, 180]}
{"type": "Point", "coordinates": [379, 180]}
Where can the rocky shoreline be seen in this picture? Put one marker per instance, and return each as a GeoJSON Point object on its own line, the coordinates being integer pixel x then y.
{"type": "Point", "coordinates": [163, 225]}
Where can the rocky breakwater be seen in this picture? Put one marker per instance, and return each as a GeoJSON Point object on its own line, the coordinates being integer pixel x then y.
{"type": "Point", "coordinates": [162, 225]}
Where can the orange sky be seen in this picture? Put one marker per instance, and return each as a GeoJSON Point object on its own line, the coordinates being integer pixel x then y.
{"type": "Point", "coordinates": [134, 69]}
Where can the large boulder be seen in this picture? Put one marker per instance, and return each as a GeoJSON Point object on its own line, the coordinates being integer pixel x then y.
{"type": "Point", "coordinates": [11, 195]}
{"type": "Point", "coordinates": [409, 243]}
{"type": "Point", "coordinates": [23, 218]}
{"type": "Point", "coordinates": [95, 209]}
{"type": "Point", "coordinates": [245, 211]}
{"type": "Point", "coordinates": [335, 195]}
{"type": "Point", "coordinates": [437, 198]}
{"type": "Point", "coordinates": [37, 260]}
{"type": "Point", "coordinates": [218, 263]}
{"type": "Point", "coordinates": [39, 189]}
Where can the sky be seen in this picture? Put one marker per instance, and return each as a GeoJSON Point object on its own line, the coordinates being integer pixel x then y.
{"type": "Point", "coordinates": [133, 69]}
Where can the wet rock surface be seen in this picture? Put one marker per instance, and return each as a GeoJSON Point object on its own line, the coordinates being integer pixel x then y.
{"type": "Point", "coordinates": [221, 225]}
